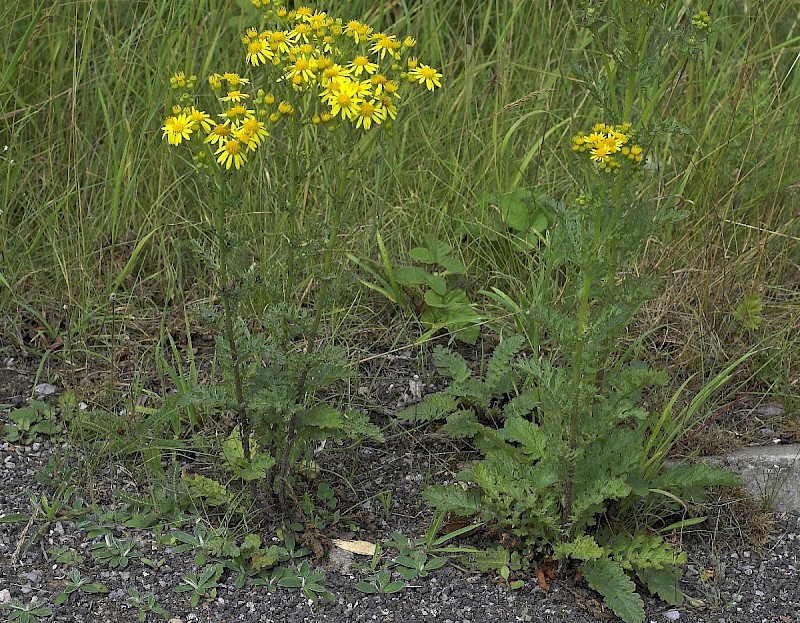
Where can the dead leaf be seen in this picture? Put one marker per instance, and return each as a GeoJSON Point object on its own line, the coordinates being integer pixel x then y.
{"type": "Point", "coordinates": [541, 579]}
{"type": "Point", "coordinates": [363, 548]}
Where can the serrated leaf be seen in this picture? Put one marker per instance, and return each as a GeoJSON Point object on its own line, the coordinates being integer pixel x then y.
{"type": "Point", "coordinates": [663, 582]}
{"type": "Point", "coordinates": [492, 559]}
{"type": "Point", "coordinates": [454, 499]}
{"type": "Point", "coordinates": [433, 407]}
{"type": "Point", "coordinates": [530, 437]}
{"type": "Point", "coordinates": [582, 548]}
{"type": "Point", "coordinates": [618, 590]}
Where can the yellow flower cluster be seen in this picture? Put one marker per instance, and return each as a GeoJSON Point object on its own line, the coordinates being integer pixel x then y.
{"type": "Point", "coordinates": [238, 131]}
{"type": "Point", "coordinates": [355, 74]}
{"type": "Point", "coordinates": [701, 20]}
{"type": "Point", "coordinates": [328, 70]}
{"type": "Point", "coordinates": [609, 146]}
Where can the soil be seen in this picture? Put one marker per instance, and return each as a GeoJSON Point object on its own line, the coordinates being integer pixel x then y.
{"type": "Point", "coordinates": [743, 564]}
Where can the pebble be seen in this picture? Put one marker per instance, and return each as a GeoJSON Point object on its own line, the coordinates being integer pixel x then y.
{"type": "Point", "coordinates": [45, 389]}
{"type": "Point", "coordinates": [5, 596]}
{"type": "Point", "coordinates": [34, 577]}
{"type": "Point", "coordinates": [672, 615]}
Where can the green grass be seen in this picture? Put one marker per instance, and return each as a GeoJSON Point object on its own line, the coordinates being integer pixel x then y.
{"type": "Point", "coordinates": [95, 204]}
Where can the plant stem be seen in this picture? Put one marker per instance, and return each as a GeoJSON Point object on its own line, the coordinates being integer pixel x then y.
{"type": "Point", "coordinates": [577, 372]}
{"type": "Point", "coordinates": [230, 309]}
{"type": "Point", "coordinates": [291, 434]}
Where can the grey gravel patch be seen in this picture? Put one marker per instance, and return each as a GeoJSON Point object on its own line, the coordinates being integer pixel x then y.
{"type": "Point", "coordinates": [746, 587]}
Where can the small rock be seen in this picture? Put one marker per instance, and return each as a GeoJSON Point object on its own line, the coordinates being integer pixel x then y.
{"type": "Point", "coordinates": [44, 389]}
{"type": "Point", "coordinates": [5, 596]}
{"type": "Point", "coordinates": [770, 410]}
{"type": "Point", "coordinates": [672, 615]}
{"type": "Point", "coordinates": [34, 577]}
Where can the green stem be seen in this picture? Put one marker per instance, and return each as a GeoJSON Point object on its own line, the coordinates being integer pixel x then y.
{"type": "Point", "coordinates": [577, 372]}
{"type": "Point", "coordinates": [320, 301]}
{"type": "Point", "coordinates": [607, 70]}
{"type": "Point", "coordinates": [230, 309]}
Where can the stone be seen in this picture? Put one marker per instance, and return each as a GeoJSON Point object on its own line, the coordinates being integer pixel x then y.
{"type": "Point", "coordinates": [770, 473]}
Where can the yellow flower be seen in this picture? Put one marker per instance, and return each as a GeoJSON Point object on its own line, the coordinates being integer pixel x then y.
{"type": "Point", "coordinates": [177, 129]}
{"type": "Point", "coordinates": [426, 75]}
{"type": "Point", "coordinates": [281, 41]}
{"type": "Point", "coordinates": [389, 107]}
{"type": "Point", "coordinates": [178, 81]}
{"type": "Point", "coordinates": [384, 44]}
{"type": "Point", "coordinates": [362, 63]}
{"type": "Point", "coordinates": [252, 133]}
{"type": "Point", "coordinates": [302, 31]}
{"type": "Point", "coordinates": [303, 13]}
{"type": "Point", "coordinates": [215, 81]}
{"type": "Point", "coordinates": [303, 68]}
{"type": "Point", "coordinates": [199, 118]}
{"type": "Point", "coordinates": [409, 42]}
{"type": "Point", "coordinates": [236, 112]}
{"type": "Point", "coordinates": [333, 73]}
{"type": "Point", "coordinates": [231, 153]}
{"type": "Point", "coordinates": [378, 81]}
{"type": "Point", "coordinates": [369, 113]}
{"type": "Point", "coordinates": [219, 133]}
{"type": "Point", "coordinates": [344, 102]}
{"type": "Point", "coordinates": [285, 108]}
{"type": "Point", "coordinates": [234, 80]}
{"type": "Point", "coordinates": [258, 52]}
{"type": "Point", "coordinates": [234, 96]}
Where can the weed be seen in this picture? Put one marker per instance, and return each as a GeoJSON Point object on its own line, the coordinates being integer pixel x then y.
{"type": "Point", "coordinates": [145, 603]}
{"type": "Point", "coordinates": [34, 422]}
{"type": "Point", "coordinates": [202, 585]}
{"type": "Point", "coordinates": [381, 583]}
{"type": "Point", "coordinates": [309, 582]}
{"type": "Point", "coordinates": [114, 552]}
{"type": "Point", "coordinates": [26, 613]}
{"type": "Point", "coordinates": [76, 582]}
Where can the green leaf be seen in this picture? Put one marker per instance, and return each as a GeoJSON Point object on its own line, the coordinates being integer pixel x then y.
{"type": "Point", "coordinates": [453, 499]}
{"type": "Point", "coordinates": [618, 590]}
{"type": "Point", "coordinates": [290, 581]}
{"type": "Point", "coordinates": [514, 209]}
{"type": "Point", "coordinates": [492, 559]}
{"type": "Point", "coordinates": [533, 442]}
{"type": "Point", "coordinates": [433, 407]}
{"type": "Point", "coordinates": [664, 583]}
{"type": "Point", "coordinates": [366, 587]}
{"type": "Point", "coordinates": [415, 276]}
{"type": "Point", "coordinates": [582, 548]}
{"type": "Point", "coordinates": [393, 587]}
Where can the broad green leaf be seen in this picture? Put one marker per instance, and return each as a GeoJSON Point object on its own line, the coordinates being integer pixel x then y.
{"type": "Point", "coordinates": [618, 590]}
{"type": "Point", "coordinates": [664, 583]}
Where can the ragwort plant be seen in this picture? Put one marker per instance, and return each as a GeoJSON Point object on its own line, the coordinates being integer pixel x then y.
{"type": "Point", "coordinates": [569, 452]}
{"type": "Point", "coordinates": [316, 81]}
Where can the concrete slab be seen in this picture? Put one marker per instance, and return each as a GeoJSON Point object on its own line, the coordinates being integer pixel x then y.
{"type": "Point", "coordinates": [770, 473]}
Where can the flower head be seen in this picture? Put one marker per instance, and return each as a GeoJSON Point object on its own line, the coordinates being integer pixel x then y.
{"type": "Point", "coordinates": [426, 75]}
{"type": "Point", "coordinates": [231, 153]}
{"type": "Point", "coordinates": [177, 129]}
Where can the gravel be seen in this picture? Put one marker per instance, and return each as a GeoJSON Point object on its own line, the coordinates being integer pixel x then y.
{"type": "Point", "coordinates": [737, 585]}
